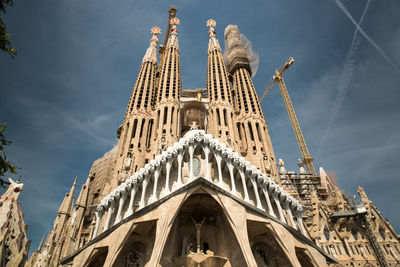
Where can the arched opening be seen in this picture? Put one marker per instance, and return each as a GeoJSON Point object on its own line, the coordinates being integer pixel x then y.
{"type": "Point", "coordinates": [354, 234]}
{"type": "Point", "coordinates": [201, 235]}
{"type": "Point", "coordinates": [326, 234]}
{"type": "Point", "coordinates": [266, 249]}
{"type": "Point", "coordinates": [303, 258]}
{"type": "Point", "coordinates": [99, 257]}
{"type": "Point", "coordinates": [136, 252]}
{"type": "Point", "coordinates": [382, 233]}
{"type": "Point", "coordinates": [193, 115]}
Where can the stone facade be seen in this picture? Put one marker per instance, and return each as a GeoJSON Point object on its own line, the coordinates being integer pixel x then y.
{"type": "Point", "coordinates": [14, 245]}
{"type": "Point", "coordinates": [194, 181]}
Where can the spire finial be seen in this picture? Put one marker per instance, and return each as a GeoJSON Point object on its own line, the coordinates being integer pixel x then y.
{"type": "Point", "coordinates": [73, 186]}
{"type": "Point", "coordinates": [174, 21]}
{"type": "Point", "coordinates": [41, 243]}
{"type": "Point", "coordinates": [211, 24]}
{"type": "Point", "coordinates": [155, 31]}
{"type": "Point", "coordinates": [281, 163]}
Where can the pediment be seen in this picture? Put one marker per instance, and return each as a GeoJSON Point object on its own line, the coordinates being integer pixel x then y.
{"type": "Point", "coordinates": [199, 156]}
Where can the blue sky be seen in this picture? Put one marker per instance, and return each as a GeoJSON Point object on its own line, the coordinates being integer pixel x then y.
{"type": "Point", "coordinates": [65, 94]}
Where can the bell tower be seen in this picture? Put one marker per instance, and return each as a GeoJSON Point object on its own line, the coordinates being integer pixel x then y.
{"type": "Point", "coordinates": [136, 131]}
{"type": "Point", "coordinates": [255, 142]}
{"type": "Point", "coordinates": [169, 87]}
{"type": "Point", "coordinates": [221, 112]}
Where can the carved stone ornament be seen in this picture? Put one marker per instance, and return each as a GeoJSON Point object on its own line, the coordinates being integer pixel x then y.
{"type": "Point", "coordinates": [192, 139]}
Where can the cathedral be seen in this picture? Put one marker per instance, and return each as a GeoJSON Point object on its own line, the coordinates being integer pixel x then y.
{"type": "Point", "coordinates": [194, 181]}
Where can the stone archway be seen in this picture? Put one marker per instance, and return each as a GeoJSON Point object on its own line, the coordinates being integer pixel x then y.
{"type": "Point", "coordinates": [136, 252]}
{"type": "Point", "coordinates": [193, 114]}
{"type": "Point", "coordinates": [214, 244]}
{"type": "Point", "coordinates": [266, 250]}
{"type": "Point", "coordinates": [303, 258]}
{"type": "Point", "coordinates": [98, 258]}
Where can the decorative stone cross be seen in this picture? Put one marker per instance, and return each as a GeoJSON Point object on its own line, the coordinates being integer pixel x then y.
{"type": "Point", "coordinates": [194, 126]}
{"type": "Point", "coordinates": [198, 227]}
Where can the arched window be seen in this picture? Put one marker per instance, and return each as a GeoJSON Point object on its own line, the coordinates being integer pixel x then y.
{"type": "Point", "coordinates": [382, 233]}
{"type": "Point", "coordinates": [326, 234]}
{"type": "Point", "coordinates": [99, 258]}
{"type": "Point", "coordinates": [354, 234]}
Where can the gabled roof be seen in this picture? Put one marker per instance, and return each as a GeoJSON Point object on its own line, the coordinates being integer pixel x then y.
{"type": "Point", "coordinates": [194, 138]}
{"type": "Point", "coordinates": [197, 183]}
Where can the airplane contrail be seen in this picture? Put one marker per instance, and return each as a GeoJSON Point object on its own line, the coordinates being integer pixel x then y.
{"type": "Point", "coordinates": [366, 36]}
{"type": "Point", "coordinates": [345, 77]}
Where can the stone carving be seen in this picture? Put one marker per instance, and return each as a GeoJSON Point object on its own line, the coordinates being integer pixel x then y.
{"type": "Point", "coordinates": [196, 166]}
{"type": "Point", "coordinates": [260, 257]}
{"type": "Point", "coordinates": [127, 163]}
{"type": "Point", "coordinates": [198, 228]}
{"type": "Point", "coordinates": [73, 218]}
{"type": "Point", "coordinates": [191, 140]}
{"type": "Point", "coordinates": [133, 259]}
{"type": "Point", "coordinates": [188, 245]}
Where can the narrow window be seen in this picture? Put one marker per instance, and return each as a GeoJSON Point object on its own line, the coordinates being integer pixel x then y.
{"type": "Point", "coordinates": [385, 249]}
{"type": "Point", "coordinates": [369, 251]}
{"type": "Point", "coordinates": [225, 120]}
{"type": "Point", "coordinates": [165, 115]}
{"type": "Point", "coordinates": [238, 127]}
{"type": "Point", "coordinates": [382, 233]}
{"type": "Point", "coordinates": [141, 128]}
{"type": "Point", "coordinates": [351, 248]}
{"type": "Point", "coordinates": [354, 234]}
{"type": "Point", "coordinates": [141, 131]}
{"type": "Point", "coordinates": [149, 130]}
{"type": "Point", "coordinates": [326, 234]}
{"type": "Point", "coordinates": [355, 246]}
{"type": "Point", "coordinates": [345, 249]}
{"type": "Point", "coordinates": [172, 115]}
{"type": "Point", "coordinates": [258, 131]}
{"type": "Point", "coordinates": [251, 131]}
{"type": "Point", "coordinates": [134, 128]}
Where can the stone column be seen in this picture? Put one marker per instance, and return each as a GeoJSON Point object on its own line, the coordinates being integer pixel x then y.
{"type": "Point", "coordinates": [207, 153]}
{"type": "Point", "coordinates": [233, 186]}
{"type": "Point", "coordinates": [99, 215]}
{"type": "Point", "coordinates": [168, 170]}
{"type": "Point", "coordinates": [129, 212]}
{"type": "Point", "coordinates": [109, 213]}
{"type": "Point", "coordinates": [144, 186]}
{"type": "Point", "coordinates": [246, 193]}
{"type": "Point", "coordinates": [120, 206]}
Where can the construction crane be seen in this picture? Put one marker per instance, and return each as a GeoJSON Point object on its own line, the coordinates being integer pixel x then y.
{"type": "Point", "coordinates": [307, 159]}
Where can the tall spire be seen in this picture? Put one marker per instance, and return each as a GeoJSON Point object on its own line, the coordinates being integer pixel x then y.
{"type": "Point", "coordinates": [151, 53]}
{"type": "Point", "coordinates": [82, 197]}
{"type": "Point", "coordinates": [221, 109]}
{"type": "Point", "coordinates": [173, 37]}
{"type": "Point", "coordinates": [256, 143]}
{"type": "Point", "coordinates": [169, 87]}
{"type": "Point", "coordinates": [66, 205]}
{"type": "Point", "coordinates": [135, 132]}
{"type": "Point", "coordinates": [41, 243]}
{"type": "Point", "coordinates": [142, 91]}
{"type": "Point", "coordinates": [213, 42]}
